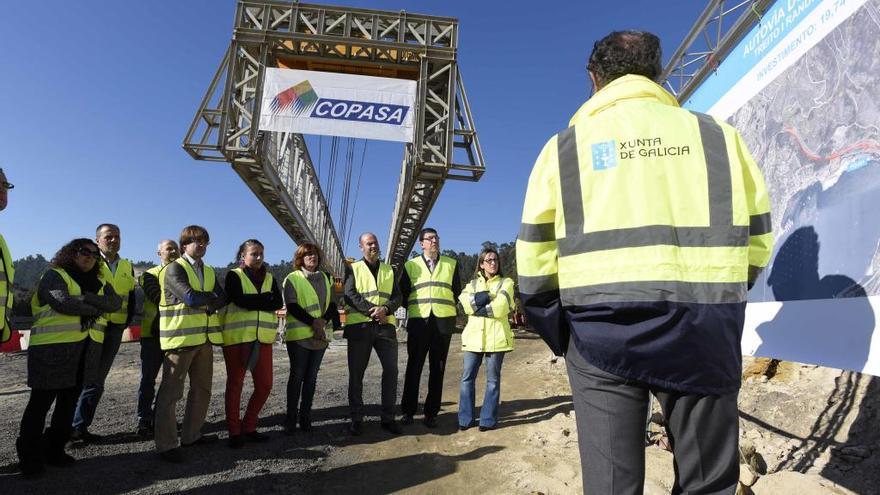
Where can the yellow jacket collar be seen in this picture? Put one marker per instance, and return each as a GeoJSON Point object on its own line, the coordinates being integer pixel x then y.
{"type": "Point", "coordinates": [630, 87]}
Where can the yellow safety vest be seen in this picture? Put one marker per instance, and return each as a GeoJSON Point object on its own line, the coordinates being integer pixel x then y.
{"type": "Point", "coordinates": [151, 309]}
{"type": "Point", "coordinates": [431, 292]}
{"type": "Point", "coordinates": [181, 325]}
{"type": "Point", "coordinates": [307, 298]}
{"type": "Point", "coordinates": [52, 327]}
{"type": "Point", "coordinates": [672, 209]}
{"type": "Point", "coordinates": [123, 283]}
{"type": "Point", "coordinates": [490, 333]}
{"type": "Point", "coordinates": [243, 325]}
{"type": "Point", "coordinates": [7, 274]}
{"type": "Point", "coordinates": [377, 290]}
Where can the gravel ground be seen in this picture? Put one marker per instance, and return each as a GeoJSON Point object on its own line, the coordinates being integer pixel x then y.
{"type": "Point", "coordinates": [325, 460]}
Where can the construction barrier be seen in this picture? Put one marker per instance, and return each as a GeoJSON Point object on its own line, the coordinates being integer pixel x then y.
{"type": "Point", "coordinates": [132, 334]}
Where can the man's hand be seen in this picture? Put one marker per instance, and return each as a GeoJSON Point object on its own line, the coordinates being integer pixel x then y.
{"type": "Point", "coordinates": [379, 313]}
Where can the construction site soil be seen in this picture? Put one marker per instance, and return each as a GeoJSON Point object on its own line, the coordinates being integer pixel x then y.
{"type": "Point", "coordinates": [804, 430]}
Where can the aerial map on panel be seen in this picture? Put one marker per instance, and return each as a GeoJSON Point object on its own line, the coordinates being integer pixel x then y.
{"type": "Point", "coordinates": [815, 131]}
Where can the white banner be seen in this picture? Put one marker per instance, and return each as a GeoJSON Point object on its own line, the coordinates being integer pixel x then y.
{"type": "Point", "coordinates": [332, 104]}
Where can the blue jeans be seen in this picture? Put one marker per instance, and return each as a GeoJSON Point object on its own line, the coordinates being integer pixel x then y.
{"type": "Point", "coordinates": [304, 365]}
{"type": "Point", "coordinates": [151, 362]}
{"type": "Point", "coordinates": [489, 411]}
{"type": "Point", "coordinates": [91, 393]}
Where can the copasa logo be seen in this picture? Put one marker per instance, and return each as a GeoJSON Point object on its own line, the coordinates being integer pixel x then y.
{"type": "Point", "coordinates": [302, 98]}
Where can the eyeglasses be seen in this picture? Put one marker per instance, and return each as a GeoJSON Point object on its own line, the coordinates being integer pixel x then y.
{"type": "Point", "coordinates": [432, 238]}
{"type": "Point", "coordinates": [89, 253]}
{"type": "Point", "coordinates": [200, 242]}
{"type": "Point", "coordinates": [7, 185]}
{"type": "Point", "coordinates": [491, 260]}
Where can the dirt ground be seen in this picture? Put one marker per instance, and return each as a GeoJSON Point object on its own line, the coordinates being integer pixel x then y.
{"type": "Point", "coordinates": [534, 450]}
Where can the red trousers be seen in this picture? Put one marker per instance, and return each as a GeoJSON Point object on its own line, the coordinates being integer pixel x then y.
{"type": "Point", "coordinates": [236, 357]}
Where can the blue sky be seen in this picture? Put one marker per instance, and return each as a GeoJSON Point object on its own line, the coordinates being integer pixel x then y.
{"type": "Point", "coordinates": [96, 98]}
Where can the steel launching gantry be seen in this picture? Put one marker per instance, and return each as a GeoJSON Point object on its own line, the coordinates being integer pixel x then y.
{"type": "Point", "coordinates": [277, 167]}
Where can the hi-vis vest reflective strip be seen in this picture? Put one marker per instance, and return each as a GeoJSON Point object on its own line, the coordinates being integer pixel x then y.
{"type": "Point", "coordinates": [431, 292]}
{"type": "Point", "coordinates": [151, 309]}
{"type": "Point", "coordinates": [123, 283]}
{"type": "Point", "coordinates": [307, 298]}
{"type": "Point", "coordinates": [376, 290]}
{"type": "Point", "coordinates": [52, 327]}
{"type": "Point", "coordinates": [692, 241]}
{"type": "Point", "coordinates": [181, 325]}
{"type": "Point", "coordinates": [7, 273]}
{"type": "Point", "coordinates": [241, 325]}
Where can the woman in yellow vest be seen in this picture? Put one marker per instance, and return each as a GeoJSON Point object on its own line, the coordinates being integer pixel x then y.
{"type": "Point", "coordinates": [487, 300]}
{"type": "Point", "coordinates": [64, 351]}
{"type": "Point", "coordinates": [308, 298]}
{"type": "Point", "coordinates": [249, 330]}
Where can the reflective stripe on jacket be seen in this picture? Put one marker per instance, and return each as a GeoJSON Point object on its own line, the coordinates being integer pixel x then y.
{"type": "Point", "coordinates": [307, 298]}
{"type": "Point", "coordinates": [490, 333]}
{"type": "Point", "coordinates": [377, 290]}
{"type": "Point", "coordinates": [431, 291]}
{"type": "Point", "coordinates": [52, 327]}
{"type": "Point", "coordinates": [642, 225]}
{"type": "Point", "coordinates": [243, 325]}
{"type": "Point", "coordinates": [181, 325]}
{"type": "Point", "coordinates": [7, 274]}
{"type": "Point", "coordinates": [123, 283]}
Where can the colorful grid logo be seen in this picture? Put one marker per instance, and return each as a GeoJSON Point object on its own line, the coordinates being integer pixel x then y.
{"type": "Point", "coordinates": [298, 99]}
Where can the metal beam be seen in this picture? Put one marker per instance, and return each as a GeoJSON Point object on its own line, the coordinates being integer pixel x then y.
{"type": "Point", "coordinates": [715, 33]}
{"type": "Point", "coordinates": [277, 167]}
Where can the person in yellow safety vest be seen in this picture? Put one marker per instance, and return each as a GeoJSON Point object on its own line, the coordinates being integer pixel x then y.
{"type": "Point", "coordinates": [119, 273]}
{"type": "Point", "coordinates": [151, 351]}
{"type": "Point", "coordinates": [7, 272]}
{"type": "Point", "coordinates": [249, 330]}
{"type": "Point", "coordinates": [188, 326]}
{"type": "Point", "coordinates": [644, 224]}
{"type": "Point", "coordinates": [487, 300]}
{"type": "Point", "coordinates": [371, 297]}
{"type": "Point", "coordinates": [309, 307]}
{"type": "Point", "coordinates": [64, 351]}
{"type": "Point", "coordinates": [429, 285]}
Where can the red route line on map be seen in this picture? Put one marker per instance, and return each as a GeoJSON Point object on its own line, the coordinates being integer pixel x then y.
{"type": "Point", "coordinates": [863, 145]}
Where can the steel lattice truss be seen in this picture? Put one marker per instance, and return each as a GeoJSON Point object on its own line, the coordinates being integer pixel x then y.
{"type": "Point", "coordinates": [718, 29]}
{"type": "Point", "coordinates": [277, 166]}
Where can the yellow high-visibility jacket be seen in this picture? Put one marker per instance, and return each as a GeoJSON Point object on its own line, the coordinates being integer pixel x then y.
{"type": "Point", "coordinates": [489, 333]}
{"type": "Point", "coordinates": [7, 273]}
{"type": "Point", "coordinates": [643, 225]}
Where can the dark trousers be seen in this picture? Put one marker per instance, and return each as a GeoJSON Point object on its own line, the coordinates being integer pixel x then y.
{"type": "Point", "coordinates": [151, 362]}
{"type": "Point", "coordinates": [610, 412]}
{"type": "Point", "coordinates": [92, 392]}
{"type": "Point", "coordinates": [424, 340]}
{"type": "Point", "coordinates": [361, 343]}
{"type": "Point", "coordinates": [34, 418]}
{"type": "Point", "coordinates": [304, 366]}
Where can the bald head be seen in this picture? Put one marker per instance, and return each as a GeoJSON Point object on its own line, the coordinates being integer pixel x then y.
{"type": "Point", "coordinates": [369, 246]}
{"type": "Point", "coordinates": [168, 251]}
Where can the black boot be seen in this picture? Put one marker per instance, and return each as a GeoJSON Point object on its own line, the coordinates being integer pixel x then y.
{"type": "Point", "coordinates": [54, 441]}
{"type": "Point", "coordinates": [30, 459]}
{"type": "Point", "coordinates": [305, 422]}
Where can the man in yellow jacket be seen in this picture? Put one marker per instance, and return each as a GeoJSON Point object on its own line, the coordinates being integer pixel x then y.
{"type": "Point", "coordinates": [643, 226]}
{"type": "Point", "coordinates": [6, 270]}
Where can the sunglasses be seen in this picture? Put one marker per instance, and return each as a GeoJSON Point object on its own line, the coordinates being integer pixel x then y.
{"type": "Point", "coordinates": [7, 185]}
{"type": "Point", "coordinates": [89, 252]}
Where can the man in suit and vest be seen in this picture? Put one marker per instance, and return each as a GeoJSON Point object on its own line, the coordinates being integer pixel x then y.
{"type": "Point", "coordinates": [151, 351]}
{"type": "Point", "coordinates": [371, 297]}
{"type": "Point", "coordinates": [188, 327]}
{"type": "Point", "coordinates": [118, 272]}
{"type": "Point", "coordinates": [430, 286]}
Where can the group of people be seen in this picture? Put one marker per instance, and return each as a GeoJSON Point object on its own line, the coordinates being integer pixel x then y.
{"type": "Point", "coordinates": [643, 227]}
{"type": "Point", "coordinates": [86, 299]}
